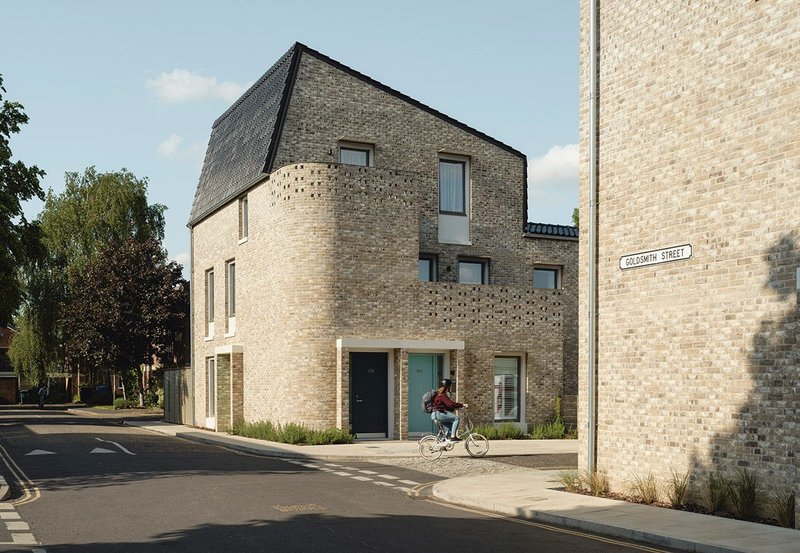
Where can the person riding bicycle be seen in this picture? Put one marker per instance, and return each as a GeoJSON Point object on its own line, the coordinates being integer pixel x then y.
{"type": "Point", "coordinates": [443, 408]}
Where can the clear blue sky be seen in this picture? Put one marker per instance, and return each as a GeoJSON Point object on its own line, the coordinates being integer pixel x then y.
{"type": "Point", "coordinates": [138, 83]}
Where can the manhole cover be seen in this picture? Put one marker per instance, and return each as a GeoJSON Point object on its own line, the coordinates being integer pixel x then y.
{"type": "Point", "coordinates": [298, 508]}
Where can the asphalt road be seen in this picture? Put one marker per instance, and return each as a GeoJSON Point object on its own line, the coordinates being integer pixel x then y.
{"type": "Point", "coordinates": [90, 485]}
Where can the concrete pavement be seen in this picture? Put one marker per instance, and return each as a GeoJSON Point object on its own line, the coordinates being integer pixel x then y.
{"type": "Point", "coordinates": [534, 494]}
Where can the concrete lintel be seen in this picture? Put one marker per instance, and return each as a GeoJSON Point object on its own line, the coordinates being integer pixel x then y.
{"type": "Point", "coordinates": [235, 348]}
{"type": "Point", "coordinates": [352, 343]}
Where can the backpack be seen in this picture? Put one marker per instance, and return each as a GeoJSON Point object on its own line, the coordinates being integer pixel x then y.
{"type": "Point", "coordinates": [427, 401]}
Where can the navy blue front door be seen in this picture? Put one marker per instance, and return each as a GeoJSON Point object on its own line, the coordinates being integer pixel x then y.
{"type": "Point", "coordinates": [369, 374]}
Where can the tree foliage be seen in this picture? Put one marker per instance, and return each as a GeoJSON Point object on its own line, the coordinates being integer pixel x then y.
{"type": "Point", "coordinates": [19, 239]}
{"type": "Point", "coordinates": [126, 307]}
{"type": "Point", "coordinates": [576, 217]}
{"type": "Point", "coordinates": [97, 211]}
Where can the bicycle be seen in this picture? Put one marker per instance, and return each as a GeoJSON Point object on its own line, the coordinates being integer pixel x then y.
{"type": "Point", "coordinates": [432, 446]}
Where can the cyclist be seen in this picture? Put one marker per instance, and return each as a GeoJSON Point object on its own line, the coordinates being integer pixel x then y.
{"type": "Point", "coordinates": [443, 408]}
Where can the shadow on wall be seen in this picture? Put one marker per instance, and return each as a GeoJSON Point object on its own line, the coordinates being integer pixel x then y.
{"type": "Point", "coordinates": [763, 437]}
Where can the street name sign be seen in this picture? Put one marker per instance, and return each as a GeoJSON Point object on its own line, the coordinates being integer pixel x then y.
{"type": "Point", "coordinates": [655, 257]}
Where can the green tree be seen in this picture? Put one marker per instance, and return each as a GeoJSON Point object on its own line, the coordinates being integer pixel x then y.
{"type": "Point", "coordinates": [19, 239]}
{"type": "Point", "coordinates": [576, 217]}
{"type": "Point", "coordinates": [127, 305]}
{"type": "Point", "coordinates": [96, 211]}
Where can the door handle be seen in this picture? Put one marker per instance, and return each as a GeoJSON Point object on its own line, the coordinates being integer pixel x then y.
{"type": "Point", "coordinates": [359, 400]}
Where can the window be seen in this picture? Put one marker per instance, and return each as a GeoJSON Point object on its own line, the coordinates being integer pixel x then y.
{"type": "Point", "coordinates": [473, 272]}
{"type": "Point", "coordinates": [452, 187]}
{"type": "Point", "coordinates": [211, 388]}
{"type": "Point", "coordinates": [243, 218]}
{"type": "Point", "coordinates": [427, 267]}
{"type": "Point", "coordinates": [506, 389]}
{"type": "Point", "coordinates": [230, 296]}
{"type": "Point", "coordinates": [547, 277]}
{"type": "Point", "coordinates": [353, 153]}
{"type": "Point", "coordinates": [210, 302]}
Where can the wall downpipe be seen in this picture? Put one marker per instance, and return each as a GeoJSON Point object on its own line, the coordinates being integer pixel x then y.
{"type": "Point", "coordinates": [594, 137]}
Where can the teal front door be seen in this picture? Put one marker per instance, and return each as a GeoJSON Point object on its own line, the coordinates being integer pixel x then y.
{"type": "Point", "coordinates": [424, 373]}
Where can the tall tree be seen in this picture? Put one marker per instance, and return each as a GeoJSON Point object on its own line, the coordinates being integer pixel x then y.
{"type": "Point", "coordinates": [19, 239]}
{"type": "Point", "coordinates": [96, 211]}
{"type": "Point", "coordinates": [127, 305]}
{"type": "Point", "coordinates": [576, 217]}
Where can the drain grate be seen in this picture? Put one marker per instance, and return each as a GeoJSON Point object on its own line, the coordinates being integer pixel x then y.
{"type": "Point", "coordinates": [302, 507]}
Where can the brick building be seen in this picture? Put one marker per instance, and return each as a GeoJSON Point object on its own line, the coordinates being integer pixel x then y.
{"type": "Point", "coordinates": [697, 239]}
{"type": "Point", "coordinates": [351, 246]}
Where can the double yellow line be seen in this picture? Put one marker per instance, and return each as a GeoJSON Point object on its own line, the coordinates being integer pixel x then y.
{"type": "Point", "coordinates": [30, 492]}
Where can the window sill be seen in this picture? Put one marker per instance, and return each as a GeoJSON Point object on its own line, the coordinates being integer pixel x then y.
{"type": "Point", "coordinates": [242, 240]}
{"type": "Point", "coordinates": [208, 338]}
{"type": "Point", "coordinates": [229, 334]}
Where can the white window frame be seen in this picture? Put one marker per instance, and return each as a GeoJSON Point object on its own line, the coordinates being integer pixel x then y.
{"type": "Point", "coordinates": [209, 296]}
{"type": "Point", "coordinates": [211, 392]}
{"type": "Point", "coordinates": [230, 297]}
{"type": "Point", "coordinates": [521, 390]}
{"type": "Point", "coordinates": [359, 147]}
{"type": "Point", "coordinates": [557, 269]}
{"type": "Point", "coordinates": [244, 219]}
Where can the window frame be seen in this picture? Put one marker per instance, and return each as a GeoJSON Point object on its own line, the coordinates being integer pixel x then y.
{"type": "Point", "coordinates": [484, 263]}
{"type": "Point", "coordinates": [518, 394]}
{"type": "Point", "coordinates": [433, 267]}
{"type": "Point", "coordinates": [211, 387]}
{"type": "Point", "coordinates": [230, 297]}
{"type": "Point", "coordinates": [209, 302]}
{"type": "Point", "coordinates": [464, 162]}
{"type": "Point", "coordinates": [367, 148]}
{"type": "Point", "coordinates": [244, 219]}
{"type": "Point", "coordinates": [557, 270]}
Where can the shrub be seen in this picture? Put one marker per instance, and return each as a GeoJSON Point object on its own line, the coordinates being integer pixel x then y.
{"type": "Point", "coordinates": [781, 505]}
{"type": "Point", "coordinates": [571, 480]}
{"type": "Point", "coordinates": [714, 491]}
{"type": "Point", "coordinates": [742, 494]}
{"type": "Point", "coordinates": [645, 489]}
{"type": "Point", "coordinates": [121, 403]}
{"type": "Point", "coordinates": [291, 433]}
{"type": "Point", "coordinates": [675, 487]}
{"type": "Point", "coordinates": [596, 482]}
{"type": "Point", "coordinates": [509, 431]}
{"type": "Point", "coordinates": [329, 436]}
{"type": "Point", "coordinates": [504, 431]}
{"type": "Point", "coordinates": [548, 431]}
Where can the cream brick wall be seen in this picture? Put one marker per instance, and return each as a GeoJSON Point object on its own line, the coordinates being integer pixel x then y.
{"type": "Point", "coordinates": [332, 253]}
{"type": "Point", "coordinates": [698, 359]}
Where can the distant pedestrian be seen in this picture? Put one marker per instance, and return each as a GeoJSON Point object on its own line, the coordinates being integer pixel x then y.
{"type": "Point", "coordinates": [43, 392]}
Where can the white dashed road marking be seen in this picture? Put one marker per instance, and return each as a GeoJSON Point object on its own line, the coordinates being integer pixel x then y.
{"type": "Point", "coordinates": [341, 470]}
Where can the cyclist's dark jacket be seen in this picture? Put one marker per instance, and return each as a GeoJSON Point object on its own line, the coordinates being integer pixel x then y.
{"type": "Point", "coordinates": [442, 403]}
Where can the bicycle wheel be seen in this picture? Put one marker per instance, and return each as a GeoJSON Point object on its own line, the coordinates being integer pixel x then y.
{"type": "Point", "coordinates": [429, 448]}
{"type": "Point", "coordinates": [477, 445]}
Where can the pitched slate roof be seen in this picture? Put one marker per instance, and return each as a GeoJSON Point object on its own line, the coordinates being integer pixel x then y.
{"type": "Point", "coordinates": [245, 138]}
{"type": "Point", "coordinates": [242, 139]}
{"type": "Point", "coordinates": [556, 231]}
